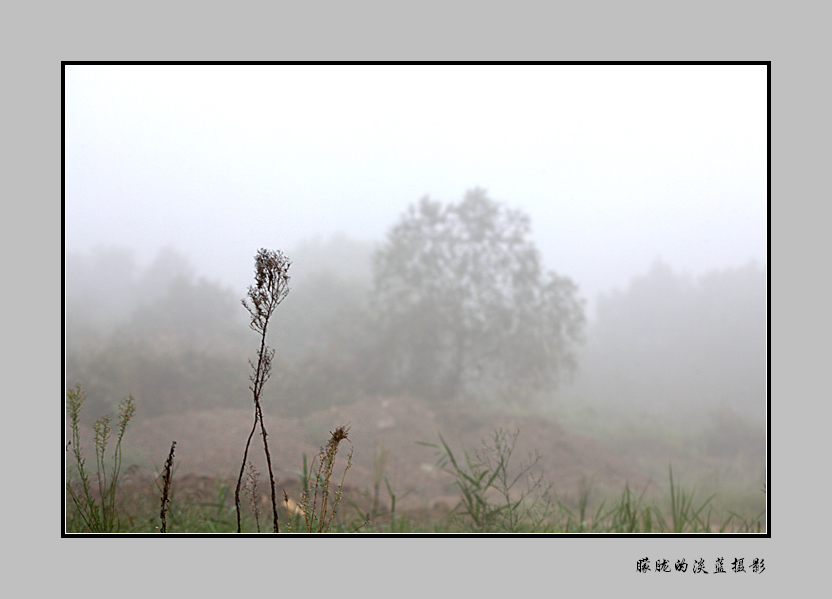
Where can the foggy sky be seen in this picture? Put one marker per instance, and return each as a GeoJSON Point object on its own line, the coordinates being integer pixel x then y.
{"type": "Point", "coordinates": [616, 165]}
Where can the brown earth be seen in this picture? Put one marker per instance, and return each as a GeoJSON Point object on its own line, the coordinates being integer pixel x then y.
{"type": "Point", "coordinates": [210, 444]}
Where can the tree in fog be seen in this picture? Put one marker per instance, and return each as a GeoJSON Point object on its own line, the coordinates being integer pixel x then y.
{"type": "Point", "coordinates": [171, 340]}
{"type": "Point", "coordinates": [682, 343]}
{"type": "Point", "coordinates": [464, 304]}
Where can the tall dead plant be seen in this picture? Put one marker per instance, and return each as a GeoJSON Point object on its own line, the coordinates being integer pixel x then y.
{"type": "Point", "coordinates": [271, 277]}
{"type": "Point", "coordinates": [315, 505]}
{"type": "Point", "coordinates": [166, 476]}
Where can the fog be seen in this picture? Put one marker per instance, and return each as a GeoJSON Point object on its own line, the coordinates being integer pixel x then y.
{"type": "Point", "coordinates": [617, 166]}
{"type": "Point", "coordinates": [645, 186]}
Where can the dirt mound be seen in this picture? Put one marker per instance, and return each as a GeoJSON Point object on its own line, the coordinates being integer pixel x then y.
{"type": "Point", "coordinates": [383, 432]}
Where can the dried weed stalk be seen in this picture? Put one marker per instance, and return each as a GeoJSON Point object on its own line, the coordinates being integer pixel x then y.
{"type": "Point", "coordinates": [253, 492]}
{"type": "Point", "coordinates": [166, 476]}
{"type": "Point", "coordinates": [314, 503]}
{"type": "Point", "coordinates": [271, 276]}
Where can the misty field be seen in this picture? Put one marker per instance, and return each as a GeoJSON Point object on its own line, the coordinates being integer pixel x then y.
{"type": "Point", "coordinates": [485, 299]}
{"type": "Point", "coordinates": [485, 480]}
{"type": "Point", "coordinates": [459, 389]}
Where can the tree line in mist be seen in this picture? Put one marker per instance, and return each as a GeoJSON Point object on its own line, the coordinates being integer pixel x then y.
{"type": "Point", "coordinates": [454, 305]}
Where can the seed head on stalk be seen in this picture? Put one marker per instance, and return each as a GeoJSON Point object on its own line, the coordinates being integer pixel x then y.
{"type": "Point", "coordinates": [271, 275]}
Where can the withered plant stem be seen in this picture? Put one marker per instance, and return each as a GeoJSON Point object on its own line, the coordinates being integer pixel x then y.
{"type": "Point", "coordinates": [253, 492]}
{"type": "Point", "coordinates": [166, 475]}
{"type": "Point", "coordinates": [316, 516]}
{"type": "Point", "coordinates": [272, 286]}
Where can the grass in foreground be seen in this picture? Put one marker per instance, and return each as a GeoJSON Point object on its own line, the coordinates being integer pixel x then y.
{"type": "Point", "coordinates": [93, 500]}
{"type": "Point", "coordinates": [492, 501]}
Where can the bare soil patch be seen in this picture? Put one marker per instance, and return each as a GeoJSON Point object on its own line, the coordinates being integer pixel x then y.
{"type": "Point", "coordinates": [210, 444]}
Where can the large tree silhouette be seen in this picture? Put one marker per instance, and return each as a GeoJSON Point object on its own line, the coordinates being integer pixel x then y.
{"type": "Point", "coordinates": [465, 306]}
